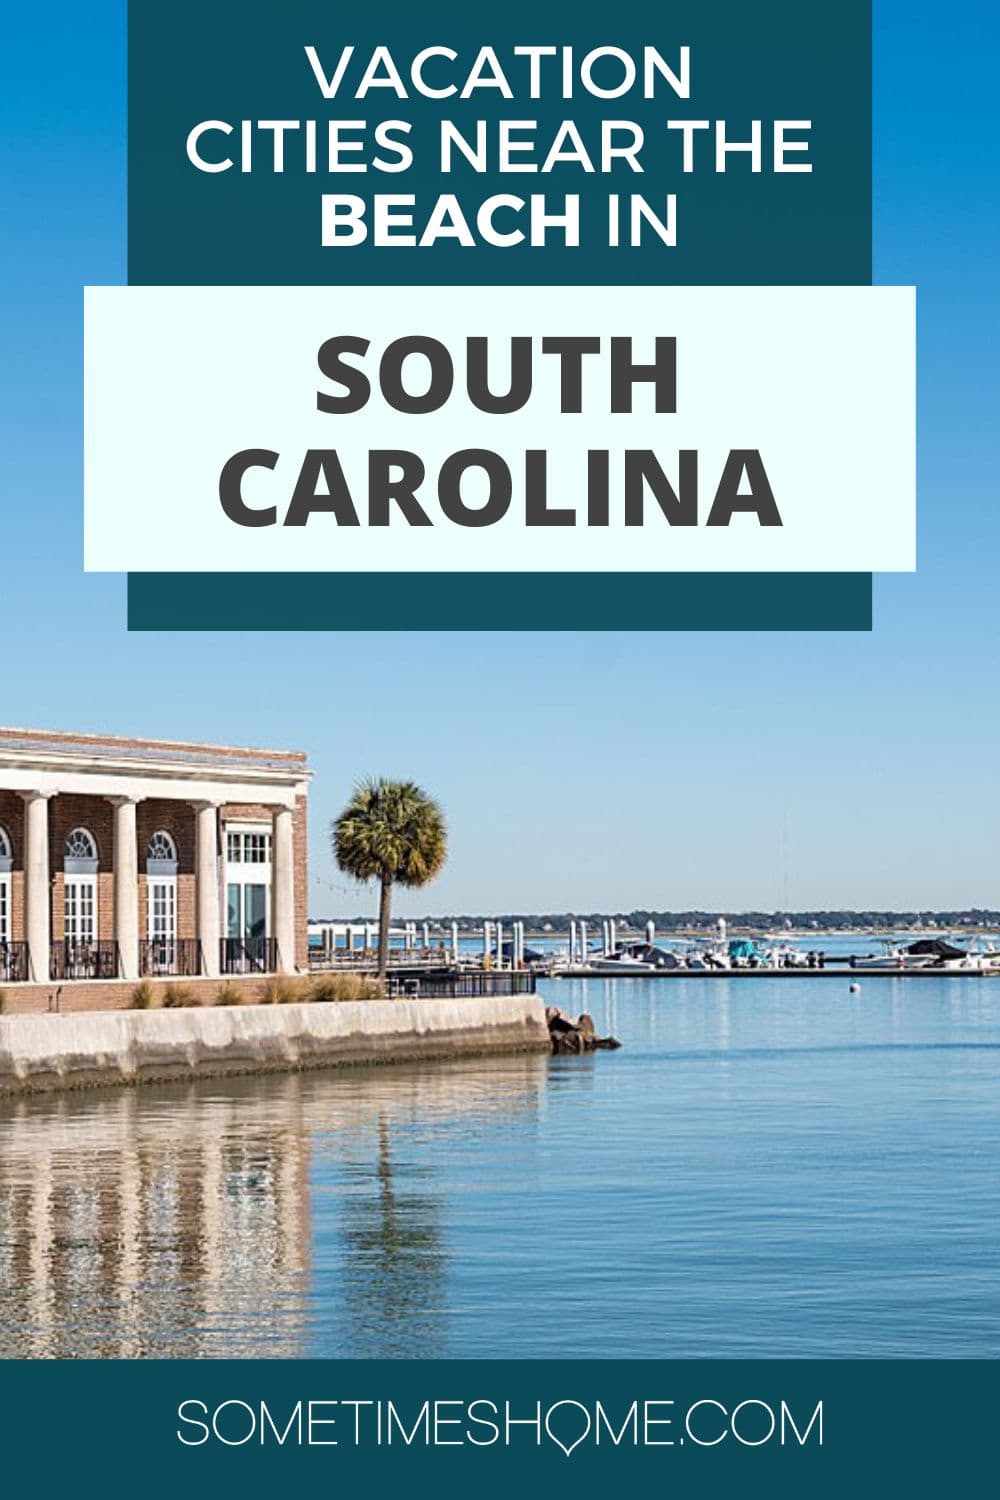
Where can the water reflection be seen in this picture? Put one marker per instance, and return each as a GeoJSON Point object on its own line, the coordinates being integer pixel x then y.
{"type": "Point", "coordinates": [177, 1221]}
{"type": "Point", "coordinates": [125, 1227]}
{"type": "Point", "coordinates": [393, 1242]}
{"type": "Point", "coordinates": [768, 1167]}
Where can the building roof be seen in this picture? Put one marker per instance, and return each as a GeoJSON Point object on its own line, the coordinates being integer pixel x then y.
{"type": "Point", "coordinates": [31, 746]}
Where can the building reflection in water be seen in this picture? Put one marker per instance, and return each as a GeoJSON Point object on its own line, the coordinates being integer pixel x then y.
{"type": "Point", "coordinates": [163, 1222]}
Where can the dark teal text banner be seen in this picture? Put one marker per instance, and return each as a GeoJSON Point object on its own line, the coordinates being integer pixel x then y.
{"type": "Point", "coordinates": [244, 60]}
{"type": "Point", "coordinates": [710, 1429]}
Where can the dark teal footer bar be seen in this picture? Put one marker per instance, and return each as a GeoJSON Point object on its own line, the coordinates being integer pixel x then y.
{"type": "Point", "coordinates": [491, 1428]}
{"type": "Point", "coordinates": [499, 601]}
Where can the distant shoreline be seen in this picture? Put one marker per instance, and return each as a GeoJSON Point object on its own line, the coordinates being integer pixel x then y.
{"type": "Point", "coordinates": [441, 929]}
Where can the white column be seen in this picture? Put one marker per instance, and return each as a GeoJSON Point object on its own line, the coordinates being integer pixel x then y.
{"type": "Point", "coordinates": [572, 942]}
{"type": "Point", "coordinates": [487, 939]}
{"type": "Point", "coordinates": [37, 916]}
{"type": "Point", "coordinates": [283, 895]}
{"type": "Point", "coordinates": [207, 863]}
{"type": "Point", "coordinates": [583, 943]}
{"type": "Point", "coordinates": [427, 935]}
{"type": "Point", "coordinates": [454, 942]}
{"type": "Point", "coordinates": [499, 945]}
{"type": "Point", "coordinates": [126, 886]}
{"type": "Point", "coordinates": [613, 934]}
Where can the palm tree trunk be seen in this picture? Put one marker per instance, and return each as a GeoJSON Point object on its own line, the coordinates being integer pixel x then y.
{"type": "Point", "coordinates": [385, 907]}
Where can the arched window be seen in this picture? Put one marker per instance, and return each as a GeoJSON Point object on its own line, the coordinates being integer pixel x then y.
{"type": "Point", "coordinates": [6, 850]}
{"type": "Point", "coordinates": [80, 854]}
{"type": "Point", "coordinates": [161, 854]}
{"type": "Point", "coordinates": [161, 901]}
{"type": "Point", "coordinates": [80, 892]}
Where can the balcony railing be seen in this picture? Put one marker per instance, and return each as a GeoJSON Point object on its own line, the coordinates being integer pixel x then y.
{"type": "Point", "coordinates": [252, 955]}
{"type": "Point", "coordinates": [77, 959]}
{"type": "Point", "coordinates": [480, 984]}
{"type": "Point", "coordinates": [13, 963]}
{"type": "Point", "coordinates": [167, 957]}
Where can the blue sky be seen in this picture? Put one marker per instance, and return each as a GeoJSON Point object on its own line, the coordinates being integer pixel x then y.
{"type": "Point", "coordinates": [759, 770]}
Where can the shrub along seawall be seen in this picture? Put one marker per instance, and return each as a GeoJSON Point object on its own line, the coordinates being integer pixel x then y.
{"type": "Point", "coordinates": [167, 1041]}
{"type": "Point", "coordinates": [170, 994]}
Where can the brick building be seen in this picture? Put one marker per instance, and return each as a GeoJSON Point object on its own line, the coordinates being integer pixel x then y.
{"type": "Point", "coordinates": [123, 859]}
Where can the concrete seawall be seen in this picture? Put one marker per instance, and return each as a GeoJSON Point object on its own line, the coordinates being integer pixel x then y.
{"type": "Point", "coordinates": [102, 1047]}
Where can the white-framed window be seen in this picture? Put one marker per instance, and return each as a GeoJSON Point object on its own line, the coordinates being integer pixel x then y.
{"type": "Point", "coordinates": [6, 862]}
{"type": "Point", "coordinates": [80, 888]}
{"type": "Point", "coordinates": [161, 892]}
{"type": "Point", "coordinates": [248, 846]}
{"type": "Point", "coordinates": [162, 914]}
{"type": "Point", "coordinates": [256, 848]}
{"type": "Point", "coordinates": [248, 881]}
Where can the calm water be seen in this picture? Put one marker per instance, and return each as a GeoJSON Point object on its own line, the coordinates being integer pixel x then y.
{"type": "Point", "coordinates": [767, 1168]}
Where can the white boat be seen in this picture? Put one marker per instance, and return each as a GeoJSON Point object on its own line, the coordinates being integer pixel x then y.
{"type": "Point", "coordinates": [976, 963]}
{"type": "Point", "coordinates": [633, 958]}
{"type": "Point", "coordinates": [709, 959]}
{"type": "Point", "coordinates": [926, 954]}
{"type": "Point", "coordinates": [893, 958]}
{"type": "Point", "coordinates": [618, 963]}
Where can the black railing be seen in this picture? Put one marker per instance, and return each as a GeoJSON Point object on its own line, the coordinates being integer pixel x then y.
{"type": "Point", "coordinates": [78, 959]}
{"type": "Point", "coordinates": [169, 956]}
{"type": "Point", "coordinates": [480, 984]}
{"type": "Point", "coordinates": [252, 955]}
{"type": "Point", "coordinates": [399, 958]}
{"type": "Point", "coordinates": [13, 963]}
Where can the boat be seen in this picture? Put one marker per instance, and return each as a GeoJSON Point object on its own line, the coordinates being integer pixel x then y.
{"type": "Point", "coordinates": [633, 958]}
{"type": "Point", "coordinates": [924, 954]}
{"type": "Point", "coordinates": [711, 958]}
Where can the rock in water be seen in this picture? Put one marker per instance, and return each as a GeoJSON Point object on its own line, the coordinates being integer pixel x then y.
{"type": "Point", "coordinates": [577, 1036]}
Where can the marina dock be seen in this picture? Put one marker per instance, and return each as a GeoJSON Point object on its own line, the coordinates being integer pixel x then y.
{"type": "Point", "coordinates": [830, 971]}
{"type": "Point", "coordinates": [499, 955]}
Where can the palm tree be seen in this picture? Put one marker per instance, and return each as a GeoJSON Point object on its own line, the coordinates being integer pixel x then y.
{"type": "Point", "coordinates": [393, 832]}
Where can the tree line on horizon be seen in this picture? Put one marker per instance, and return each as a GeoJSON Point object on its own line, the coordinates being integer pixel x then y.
{"type": "Point", "coordinates": [675, 921]}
